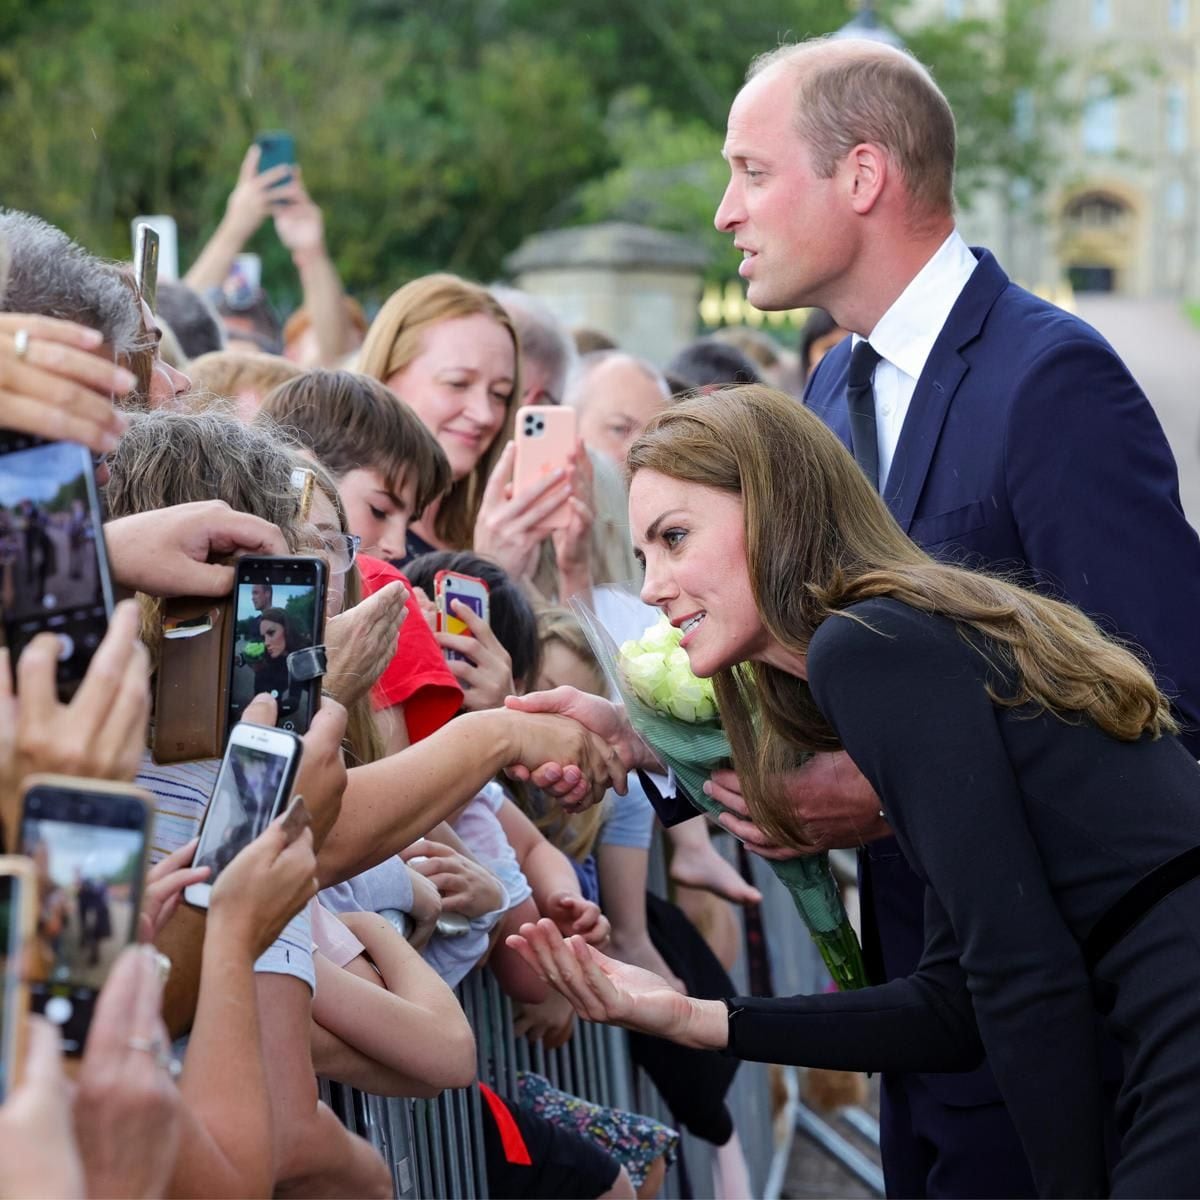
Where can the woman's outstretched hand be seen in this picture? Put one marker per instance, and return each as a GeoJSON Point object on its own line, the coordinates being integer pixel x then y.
{"type": "Point", "coordinates": [602, 989]}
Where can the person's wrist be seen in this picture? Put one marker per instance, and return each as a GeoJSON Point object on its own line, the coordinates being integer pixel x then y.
{"type": "Point", "coordinates": [305, 258]}
{"type": "Point", "coordinates": [234, 232]}
{"type": "Point", "coordinates": [707, 1024]}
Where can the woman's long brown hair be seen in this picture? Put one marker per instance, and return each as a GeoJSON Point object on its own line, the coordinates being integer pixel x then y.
{"type": "Point", "coordinates": [818, 539]}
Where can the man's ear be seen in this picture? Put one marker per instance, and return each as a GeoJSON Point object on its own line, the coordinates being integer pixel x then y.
{"type": "Point", "coordinates": [867, 169]}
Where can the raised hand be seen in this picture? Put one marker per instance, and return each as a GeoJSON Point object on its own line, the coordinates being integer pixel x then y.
{"type": "Point", "coordinates": [253, 196]}
{"type": "Point", "coordinates": [299, 222]}
{"type": "Point", "coordinates": [602, 989]}
{"type": "Point", "coordinates": [55, 384]}
{"type": "Point", "coordinates": [361, 641]}
{"type": "Point", "coordinates": [267, 883]}
{"type": "Point", "coordinates": [485, 671]}
{"type": "Point", "coordinates": [575, 916]}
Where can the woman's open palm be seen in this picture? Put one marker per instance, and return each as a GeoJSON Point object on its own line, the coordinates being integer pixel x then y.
{"type": "Point", "coordinates": [602, 988]}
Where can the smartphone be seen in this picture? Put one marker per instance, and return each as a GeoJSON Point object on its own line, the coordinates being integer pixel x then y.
{"type": "Point", "coordinates": [168, 242]}
{"type": "Point", "coordinates": [88, 841]}
{"type": "Point", "coordinates": [54, 573]}
{"type": "Point", "coordinates": [279, 628]}
{"type": "Point", "coordinates": [546, 439]}
{"type": "Point", "coordinates": [472, 591]}
{"type": "Point", "coordinates": [18, 914]}
{"type": "Point", "coordinates": [276, 147]}
{"type": "Point", "coordinates": [253, 784]}
{"type": "Point", "coordinates": [145, 264]}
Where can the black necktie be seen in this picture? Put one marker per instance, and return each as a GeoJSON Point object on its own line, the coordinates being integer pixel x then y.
{"type": "Point", "coordinates": [860, 400]}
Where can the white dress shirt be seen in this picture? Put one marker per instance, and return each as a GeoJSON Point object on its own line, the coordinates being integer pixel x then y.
{"type": "Point", "coordinates": [905, 335]}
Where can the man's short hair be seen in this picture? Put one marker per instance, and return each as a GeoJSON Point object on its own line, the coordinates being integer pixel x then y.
{"type": "Point", "coordinates": [542, 337]}
{"type": "Point", "coordinates": [850, 91]}
{"type": "Point", "coordinates": [51, 276]}
{"type": "Point", "coordinates": [707, 362]}
{"type": "Point", "coordinates": [587, 363]}
{"type": "Point", "coordinates": [192, 319]}
{"type": "Point", "coordinates": [350, 421]}
{"type": "Point", "coordinates": [266, 331]}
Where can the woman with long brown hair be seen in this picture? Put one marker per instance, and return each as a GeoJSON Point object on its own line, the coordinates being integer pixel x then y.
{"type": "Point", "coordinates": [1026, 762]}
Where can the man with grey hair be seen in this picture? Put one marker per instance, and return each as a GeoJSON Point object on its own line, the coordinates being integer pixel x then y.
{"type": "Point", "coordinates": [547, 352]}
{"type": "Point", "coordinates": [52, 276]}
{"type": "Point", "coordinates": [615, 395]}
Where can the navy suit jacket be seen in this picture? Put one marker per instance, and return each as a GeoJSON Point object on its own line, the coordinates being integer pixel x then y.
{"type": "Point", "coordinates": [1029, 448]}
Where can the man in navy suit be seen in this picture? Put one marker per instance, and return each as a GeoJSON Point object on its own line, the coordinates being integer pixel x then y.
{"type": "Point", "coordinates": [1002, 432]}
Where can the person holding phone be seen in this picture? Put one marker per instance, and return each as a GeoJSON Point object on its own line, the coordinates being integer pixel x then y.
{"type": "Point", "coordinates": [278, 192]}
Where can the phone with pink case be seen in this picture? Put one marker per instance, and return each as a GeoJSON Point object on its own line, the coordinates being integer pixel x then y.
{"type": "Point", "coordinates": [546, 439]}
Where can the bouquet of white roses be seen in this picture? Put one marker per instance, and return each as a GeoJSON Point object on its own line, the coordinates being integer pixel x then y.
{"type": "Point", "coordinates": [676, 715]}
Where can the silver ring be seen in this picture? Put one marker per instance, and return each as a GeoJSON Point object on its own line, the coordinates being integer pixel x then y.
{"type": "Point", "coordinates": [155, 1048]}
{"type": "Point", "coordinates": [21, 342]}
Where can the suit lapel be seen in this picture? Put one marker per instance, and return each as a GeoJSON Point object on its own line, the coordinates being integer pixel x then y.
{"type": "Point", "coordinates": [944, 372]}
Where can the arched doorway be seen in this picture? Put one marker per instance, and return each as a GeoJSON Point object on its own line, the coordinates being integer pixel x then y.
{"type": "Point", "coordinates": [1098, 235]}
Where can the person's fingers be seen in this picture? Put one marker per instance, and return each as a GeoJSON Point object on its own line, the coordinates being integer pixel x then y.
{"type": "Point", "coordinates": [58, 410]}
{"type": "Point", "coordinates": [106, 671]}
{"type": "Point", "coordinates": [597, 982]}
{"type": "Point", "coordinates": [48, 359]}
{"type": "Point", "coordinates": [481, 631]}
{"type": "Point", "coordinates": [557, 700]}
{"type": "Point", "coordinates": [520, 944]}
{"type": "Point", "coordinates": [270, 179]}
{"type": "Point", "coordinates": [173, 862]}
{"type": "Point", "coordinates": [734, 801]}
{"type": "Point", "coordinates": [460, 643]}
{"type": "Point", "coordinates": [249, 166]}
{"type": "Point", "coordinates": [52, 329]}
{"type": "Point", "coordinates": [499, 479]}
{"type": "Point", "coordinates": [42, 1070]}
{"type": "Point", "coordinates": [37, 690]}
{"type": "Point", "coordinates": [113, 1018]}
{"type": "Point", "coordinates": [728, 779]}
{"type": "Point", "coordinates": [745, 830]}
{"type": "Point", "coordinates": [546, 776]}
{"type": "Point", "coordinates": [118, 747]}
{"type": "Point", "coordinates": [528, 513]}
{"type": "Point", "coordinates": [232, 532]}
{"type": "Point", "coordinates": [263, 710]}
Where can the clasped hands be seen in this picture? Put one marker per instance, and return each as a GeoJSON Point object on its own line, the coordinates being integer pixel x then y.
{"type": "Point", "coordinates": [832, 803]}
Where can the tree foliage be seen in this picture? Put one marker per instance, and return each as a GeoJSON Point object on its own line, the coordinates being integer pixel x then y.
{"type": "Point", "coordinates": [434, 136]}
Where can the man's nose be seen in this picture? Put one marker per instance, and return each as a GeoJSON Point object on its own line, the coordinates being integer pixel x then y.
{"type": "Point", "coordinates": [729, 212]}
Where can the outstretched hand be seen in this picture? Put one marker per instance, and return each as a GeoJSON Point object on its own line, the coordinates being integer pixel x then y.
{"type": "Point", "coordinates": [602, 989]}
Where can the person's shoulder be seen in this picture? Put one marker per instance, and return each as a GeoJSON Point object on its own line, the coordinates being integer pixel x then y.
{"type": "Point", "coordinates": [879, 631]}
{"type": "Point", "coordinates": [1044, 328]}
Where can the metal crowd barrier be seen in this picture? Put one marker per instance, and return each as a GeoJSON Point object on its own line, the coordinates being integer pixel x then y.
{"type": "Point", "coordinates": [434, 1147]}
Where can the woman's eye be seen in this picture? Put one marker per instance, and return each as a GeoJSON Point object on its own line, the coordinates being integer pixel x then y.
{"type": "Point", "coordinates": [377, 513]}
{"type": "Point", "coordinates": [672, 537]}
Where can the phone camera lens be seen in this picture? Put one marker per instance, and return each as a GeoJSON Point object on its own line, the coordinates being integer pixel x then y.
{"type": "Point", "coordinates": [540, 426]}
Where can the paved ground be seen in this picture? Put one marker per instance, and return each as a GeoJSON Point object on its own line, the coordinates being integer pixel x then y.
{"type": "Point", "coordinates": [1162, 349]}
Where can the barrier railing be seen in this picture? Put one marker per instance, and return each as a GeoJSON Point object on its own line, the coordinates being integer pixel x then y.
{"type": "Point", "coordinates": [434, 1147]}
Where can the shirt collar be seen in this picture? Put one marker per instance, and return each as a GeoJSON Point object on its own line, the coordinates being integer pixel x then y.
{"type": "Point", "coordinates": [905, 334]}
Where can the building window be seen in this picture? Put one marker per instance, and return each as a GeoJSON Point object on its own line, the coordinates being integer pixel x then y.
{"type": "Point", "coordinates": [1175, 201]}
{"type": "Point", "coordinates": [1100, 119]}
{"type": "Point", "coordinates": [1095, 210]}
{"type": "Point", "coordinates": [1177, 13]}
{"type": "Point", "coordinates": [1101, 14]}
{"type": "Point", "coordinates": [1023, 115]}
{"type": "Point", "coordinates": [1177, 123]}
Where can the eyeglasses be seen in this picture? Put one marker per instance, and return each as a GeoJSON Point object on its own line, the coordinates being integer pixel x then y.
{"type": "Point", "coordinates": [342, 550]}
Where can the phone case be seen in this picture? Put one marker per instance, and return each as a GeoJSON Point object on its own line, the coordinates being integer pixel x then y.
{"type": "Point", "coordinates": [191, 695]}
{"type": "Point", "coordinates": [546, 438]}
{"type": "Point", "coordinates": [447, 622]}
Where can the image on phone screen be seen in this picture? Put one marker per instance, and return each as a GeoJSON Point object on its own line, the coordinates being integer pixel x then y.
{"type": "Point", "coordinates": [89, 889]}
{"type": "Point", "coordinates": [273, 620]}
{"type": "Point", "coordinates": [243, 803]}
{"type": "Point", "coordinates": [53, 573]}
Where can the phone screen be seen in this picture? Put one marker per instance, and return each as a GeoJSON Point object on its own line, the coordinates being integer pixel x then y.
{"type": "Point", "coordinates": [279, 615]}
{"type": "Point", "coordinates": [53, 569]}
{"type": "Point", "coordinates": [89, 891]}
{"type": "Point", "coordinates": [245, 799]}
{"type": "Point", "coordinates": [10, 973]}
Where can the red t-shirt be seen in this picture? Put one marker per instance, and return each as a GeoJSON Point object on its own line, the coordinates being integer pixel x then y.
{"type": "Point", "coordinates": [417, 676]}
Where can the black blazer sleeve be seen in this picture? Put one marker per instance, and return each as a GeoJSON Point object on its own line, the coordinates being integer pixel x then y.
{"type": "Point", "coordinates": [671, 810]}
{"type": "Point", "coordinates": [907, 696]}
{"type": "Point", "coordinates": [922, 1023]}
